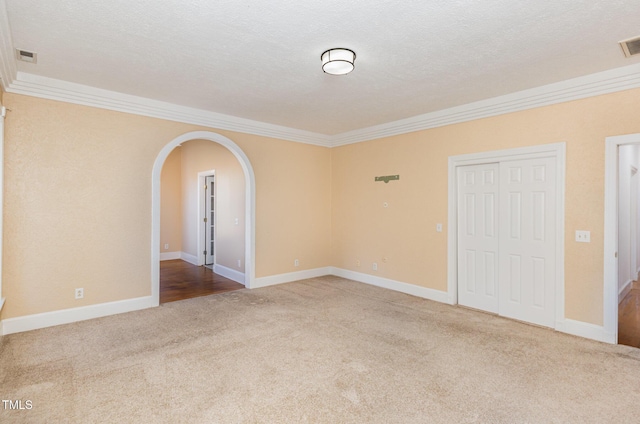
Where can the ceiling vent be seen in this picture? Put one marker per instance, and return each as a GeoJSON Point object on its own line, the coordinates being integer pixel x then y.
{"type": "Point", "coordinates": [631, 47]}
{"type": "Point", "coordinates": [26, 56]}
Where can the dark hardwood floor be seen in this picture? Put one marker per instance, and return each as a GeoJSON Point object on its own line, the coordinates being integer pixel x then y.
{"type": "Point", "coordinates": [182, 280]}
{"type": "Point", "coordinates": [629, 317]}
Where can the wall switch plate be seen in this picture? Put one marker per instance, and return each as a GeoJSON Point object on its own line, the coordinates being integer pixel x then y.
{"type": "Point", "coordinates": [79, 293]}
{"type": "Point", "coordinates": [583, 236]}
{"type": "Point", "coordinates": [166, 246]}
{"type": "Point", "coordinates": [439, 228]}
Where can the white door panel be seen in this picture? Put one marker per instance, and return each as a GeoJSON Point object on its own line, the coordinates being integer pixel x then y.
{"type": "Point", "coordinates": [506, 238]}
{"type": "Point", "coordinates": [209, 220]}
{"type": "Point", "coordinates": [527, 240]}
{"type": "Point", "coordinates": [478, 236]}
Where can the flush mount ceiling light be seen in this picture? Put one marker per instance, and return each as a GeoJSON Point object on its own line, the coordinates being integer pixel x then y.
{"type": "Point", "coordinates": [338, 61]}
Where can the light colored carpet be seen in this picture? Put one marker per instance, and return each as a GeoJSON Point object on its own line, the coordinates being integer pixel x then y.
{"type": "Point", "coordinates": [324, 350]}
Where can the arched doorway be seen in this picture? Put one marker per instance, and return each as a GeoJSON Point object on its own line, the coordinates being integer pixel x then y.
{"type": "Point", "coordinates": [155, 205]}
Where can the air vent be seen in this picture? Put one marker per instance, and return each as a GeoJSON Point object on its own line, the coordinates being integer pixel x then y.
{"type": "Point", "coordinates": [631, 47]}
{"type": "Point", "coordinates": [26, 56]}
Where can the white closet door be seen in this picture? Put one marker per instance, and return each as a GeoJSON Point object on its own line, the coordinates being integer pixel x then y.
{"type": "Point", "coordinates": [527, 240]}
{"type": "Point", "coordinates": [478, 239]}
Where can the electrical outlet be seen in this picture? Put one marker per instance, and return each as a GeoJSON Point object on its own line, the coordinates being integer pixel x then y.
{"type": "Point", "coordinates": [296, 263]}
{"type": "Point", "coordinates": [439, 228]}
{"type": "Point", "coordinates": [79, 293]}
{"type": "Point", "coordinates": [239, 263]}
{"type": "Point", "coordinates": [358, 262]}
{"type": "Point", "coordinates": [166, 246]}
{"type": "Point", "coordinates": [375, 266]}
{"type": "Point", "coordinates": [236, 221]}
{"type": "Point", "coordinates": [583, 236]}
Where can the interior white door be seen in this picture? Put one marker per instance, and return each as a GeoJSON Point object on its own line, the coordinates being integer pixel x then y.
{"type": "Point", "coordinates": [209, 220]}
{"type": "Point", "coordinates": [527, 240]}
{"type": "Point", "coordinates": [478, 240]}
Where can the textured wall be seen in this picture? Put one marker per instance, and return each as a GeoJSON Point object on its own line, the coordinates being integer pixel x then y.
{"type": "Point", "coordinates": [78, 203]}
{"type": "Point", "coordinates": [204, 155]}
{"type": "Point", "coordinates": [171, 202]}
{"type": "Point", "coordinates": [78, 180]}
{"type": "Point", "coordinates": [405, 232]}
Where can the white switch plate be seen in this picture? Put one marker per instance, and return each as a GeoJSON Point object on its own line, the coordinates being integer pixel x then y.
{"type": "Point", "coordinates": [439, 228]}
{"type": "Point", "coordinates": [583, 236]}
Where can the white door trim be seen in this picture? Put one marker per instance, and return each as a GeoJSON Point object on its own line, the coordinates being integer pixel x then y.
{"type": "Point", "coordinates": [200, 230]}
{"type": "Point", "coordinates": [3, 112]}
{"type": "Point", "coordinates": [633, 225]}
{"type": "Point", "coordinates": [250, 206]}
{"type": "Point", "coordinates": [610, 295]}
{"type": "Point", "coordinates": [557, 150]}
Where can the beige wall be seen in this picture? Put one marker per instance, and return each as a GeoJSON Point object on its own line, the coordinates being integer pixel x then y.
{"type": "Point", "coordinates": [405, 232]}
{"type": "Point", "coordinates": [298, 198]}
{"type": "Point", "coordinates": [204, 155]}
{"type": "Point", "coordinates": [171, 202]}
{"type": "Point", "coordinates": [78, 183]}
{"type": "Point", "coordinates": [78, 203]}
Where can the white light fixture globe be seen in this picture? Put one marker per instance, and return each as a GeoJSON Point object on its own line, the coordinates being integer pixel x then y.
{"type": "Point", "coordinates": [338, 61]}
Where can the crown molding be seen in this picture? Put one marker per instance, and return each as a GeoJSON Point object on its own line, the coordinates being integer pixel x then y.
{"type": "Point", "coordinates": [53, 89]}
{"type": "Point", "coordinates": [619, 79]}
{"type": "Point", "coordinates": [610, 81]}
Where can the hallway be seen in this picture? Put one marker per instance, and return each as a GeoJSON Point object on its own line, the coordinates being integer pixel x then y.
{"type": "Point", "coordinates": [629, 317]}
{"type": "Point", "coordinates": [181, 280]}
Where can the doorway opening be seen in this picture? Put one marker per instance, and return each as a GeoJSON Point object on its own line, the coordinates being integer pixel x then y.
{"type": "Point", "coordinates": [517, 270]}
{"type": "Point", "coordinates": [208, 222]}
{"type": "Point", "coordinates": [246, 219]}
{"type": "Point", "coordinates": [621, 240]}
{"type": "Point", "coordinates": [181, 280]}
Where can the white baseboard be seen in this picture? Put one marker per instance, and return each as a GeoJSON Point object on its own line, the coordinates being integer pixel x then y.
{"type": "Point", "coordinates": [412, 289]}
{"type": "Point", "coordinates": [66, 316]}
{"type": "Point", "coordinates": [626, 288]}
{"type": "Point", "coordinates": [229, 273]}
{"type": "Point", "coordinates": [167, 256]}
{"type": "Point", "coordinates": [586, 330]}
{"type": "Point", "coordinates": [189, 258]}
{"type": "Point", "coordinates": [290, 276]}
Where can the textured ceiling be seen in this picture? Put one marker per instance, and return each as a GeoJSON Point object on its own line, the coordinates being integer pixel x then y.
{"type": "Point", "coordinates": [261, 60]}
